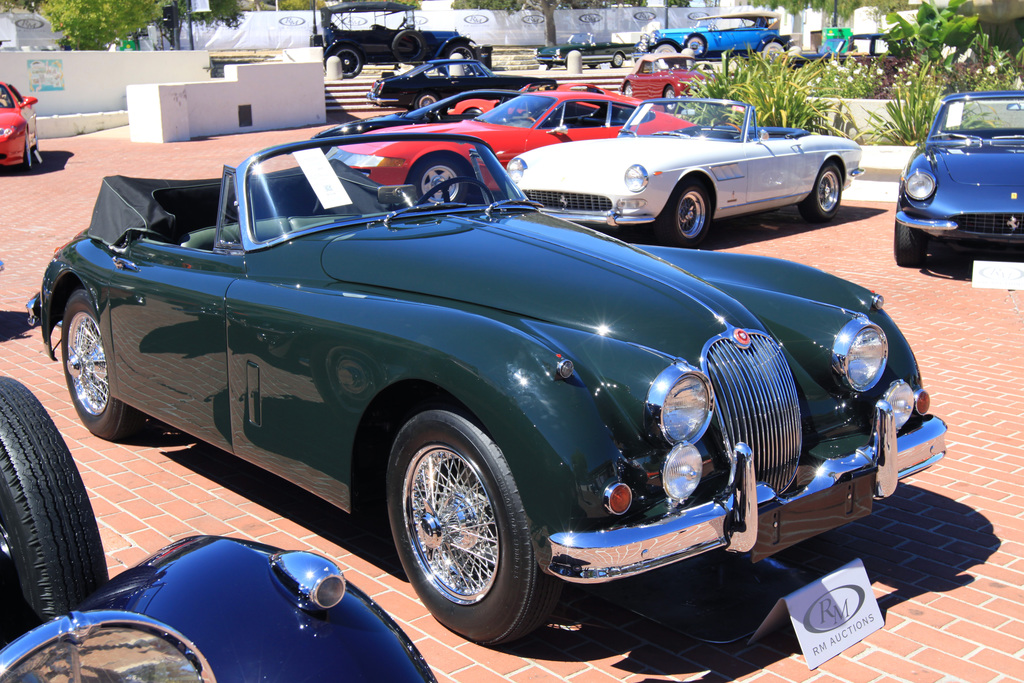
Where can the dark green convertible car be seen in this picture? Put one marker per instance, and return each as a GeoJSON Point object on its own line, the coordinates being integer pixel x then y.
{"type": "Point", "coordinates": [537, 403]}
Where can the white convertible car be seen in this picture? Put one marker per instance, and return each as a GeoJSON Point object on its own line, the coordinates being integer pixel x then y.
{"type": "Point", "coordinates": [681, 163]}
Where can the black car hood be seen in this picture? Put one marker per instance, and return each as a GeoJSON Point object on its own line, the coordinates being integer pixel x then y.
{"type": "Point", "coordinates": [536, 268]}
{"type": "Point", "coordinates": [986, 166]}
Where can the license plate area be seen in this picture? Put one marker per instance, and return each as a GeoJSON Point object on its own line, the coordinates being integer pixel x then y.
{"type": "Point", "coordinates": [786, 525]}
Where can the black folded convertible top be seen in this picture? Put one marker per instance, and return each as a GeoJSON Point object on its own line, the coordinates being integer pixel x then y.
{"type": "Point", "coordinates": [159, 208]}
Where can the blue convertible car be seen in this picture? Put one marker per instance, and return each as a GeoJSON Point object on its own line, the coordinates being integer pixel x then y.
{"type": "Point", "coordinates": [740, 32]}
{"type": "Point", "coordinates": [965, 183]}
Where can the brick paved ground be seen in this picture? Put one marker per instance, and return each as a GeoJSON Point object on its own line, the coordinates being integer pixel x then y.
{"type": "Point", "coordinates": [944, 554]}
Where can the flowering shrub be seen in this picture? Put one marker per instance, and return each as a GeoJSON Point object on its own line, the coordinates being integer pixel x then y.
{"type": "Point", "coordinates": [848, 79]}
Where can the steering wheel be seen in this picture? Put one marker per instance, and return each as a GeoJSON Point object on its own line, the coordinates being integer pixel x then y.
{"type": "Point", "coordinates": [444, 185]}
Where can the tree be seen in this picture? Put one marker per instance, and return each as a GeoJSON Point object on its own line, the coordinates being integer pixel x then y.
{"type": "Point", "coordinates": [95, 24]}
{"type": "Point", "coordinates": [842, 8]}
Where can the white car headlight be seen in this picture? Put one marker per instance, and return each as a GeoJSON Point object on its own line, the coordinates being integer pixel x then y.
{"type": "Point", "coordinates": [680, 404]}
{"type": "Point", "coordinates": [859, 354]}
{"type": "Point", "coordinates": [902, 399]}
{"type": "Point", "coordinates": [6, 132]}
{"type": "Point", "coordinates": [516, 168]}
{"type": "Point", "coordinates": [920, 185]}
{"type": "Point", "coordinates": [635, 178]}
{"type": "Point", "coordinates": [681, 473]}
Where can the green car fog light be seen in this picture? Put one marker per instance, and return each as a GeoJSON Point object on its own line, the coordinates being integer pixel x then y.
{"type": "Point", "coordinates": [681, 473]}
{"type": "Point", "coordinates": [902, 399]}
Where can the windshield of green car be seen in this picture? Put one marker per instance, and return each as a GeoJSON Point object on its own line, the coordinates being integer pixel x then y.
{"type": "Point", "coordinates": [997, 120]}
{"type": "Point", "coordinates": [688, 118]}
{"type": "Point", "coordinates": [298, 188]}
{"type": "Point", "coordinates": [519, 112]}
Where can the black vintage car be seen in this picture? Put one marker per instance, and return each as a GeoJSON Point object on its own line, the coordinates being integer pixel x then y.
{"type": "Point", "coordinates": [360, 33]}
{"type": "Point", "coordinates": [459, 107]}
{"type": "Point", "coordinates": [442, 78]}
{"type": "Point", "coordinates": [203, 609]}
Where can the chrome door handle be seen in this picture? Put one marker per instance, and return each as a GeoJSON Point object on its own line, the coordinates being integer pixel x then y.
{"type": "Point", "coordinates": [125, 264]}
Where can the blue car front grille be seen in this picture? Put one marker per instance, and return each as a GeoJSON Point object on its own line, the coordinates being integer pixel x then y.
{"type": "Point", "coordinates": [1002, 224]}
{"type": "Point", "coordinates": [757, 403]}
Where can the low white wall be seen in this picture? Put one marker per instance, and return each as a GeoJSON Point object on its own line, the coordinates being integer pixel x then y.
{"type": "Point", "coordinates": [86, 82]}
{"type": "Point", "coordinates": [69, 125]}
{"type": "Point", "coordinates": [279, 95]}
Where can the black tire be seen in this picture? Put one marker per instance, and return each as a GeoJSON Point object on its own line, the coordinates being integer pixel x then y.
{"type": "Point", "coordinates": [51, 555]}
{"type": "Point", "coordinates": [909, 246]}
{"type": "Point", "coordinates": [500, 594]}
{"type": "Point", "coordinates": [409, 46]}
{"type": "Point", "coordinates": [85, 371]}
{"type": "Point", "coordinates": [821, 205]}
{"type": "Point", "coordinates": [698, 44]}
{"type": "Point", "coordinates": [686, 218]}
{"type": "Point", "coordinates": [352, 61]}
{"type": "Point", "coordinates": [459, 52]}
{"type": "Point", "coordinates": [424, 98]}
{"type": "Point", "coordinates": [627, 89]}
{"type": "Point", "coordinates": [434, 169]}
{"type": "Point", "coordinates": [618, 59]}
{"type": "Point", "coordinates": [669, 91]}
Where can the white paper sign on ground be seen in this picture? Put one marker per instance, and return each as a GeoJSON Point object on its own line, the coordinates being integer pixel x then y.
{"type": "Point", "coordinates": [998, 275]}
{"type": "Point", "coordinates": [828, 615]}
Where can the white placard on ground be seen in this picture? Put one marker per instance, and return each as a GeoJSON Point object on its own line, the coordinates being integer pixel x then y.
{"type": "Point", "coordinates": [998, 275]}
{"type": "Point", "coordinates": [828, 615]}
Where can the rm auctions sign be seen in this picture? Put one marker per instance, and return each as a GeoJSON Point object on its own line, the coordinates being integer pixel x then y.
{"type": "Point", "coordinates": [828, 615]}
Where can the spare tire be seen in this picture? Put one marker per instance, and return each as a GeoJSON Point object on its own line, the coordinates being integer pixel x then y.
{"type": "Point", "coordinates": [51, 556]}
{"type": "Point", "coordinates": [409, 46]}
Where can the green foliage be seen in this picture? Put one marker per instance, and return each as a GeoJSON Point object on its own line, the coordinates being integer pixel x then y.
{"type": "Point", "coordinates": [221, 12]}
{"type": "Point", "coordinates": [909, 115]}
{"type": "Point", "coordinates": [95, 24]}
{"type": "Point", "coordinates": [845, 8]}
{"type": "Point", "coordinates": [937, 35]}
{"type": "Point", "coordinates": [782, 95]}
{"type": "Point", "coordinates": [848, 78]}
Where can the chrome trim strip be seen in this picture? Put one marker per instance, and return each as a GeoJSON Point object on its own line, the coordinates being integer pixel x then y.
{"type": "Point", "coordinates": [932, 227]}
{"type": "Point", "coordinates": [599, 556]}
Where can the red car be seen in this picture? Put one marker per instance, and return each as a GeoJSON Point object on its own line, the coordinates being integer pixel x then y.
{"type": "Point", "coordinates": [526, 122]}
{"type": "Point", "coordinates": [18, 140]}
{"type": "Point", "coordinates": [660, 75]}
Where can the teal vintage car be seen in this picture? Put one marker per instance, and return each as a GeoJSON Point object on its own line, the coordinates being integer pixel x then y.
{"type": "Point", "coordinates": [537, 403]}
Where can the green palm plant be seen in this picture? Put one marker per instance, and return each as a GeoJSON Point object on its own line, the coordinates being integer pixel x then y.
{"type": "Point", "coordinates": [782, 95]}
{"type": "Point", "coordinates": [909, 114]}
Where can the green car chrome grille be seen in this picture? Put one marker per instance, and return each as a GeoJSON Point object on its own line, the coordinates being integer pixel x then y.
{"type": "Point", "coordinates": [757, 404]}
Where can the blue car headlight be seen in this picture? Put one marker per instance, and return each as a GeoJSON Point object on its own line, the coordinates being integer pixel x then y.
{"type": "Point", "coordinates": [920, 185]}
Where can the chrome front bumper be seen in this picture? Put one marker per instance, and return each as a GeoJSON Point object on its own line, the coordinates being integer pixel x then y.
{"type": "Point", "coordinates": [936, 228]}
{"type": "Point", "coordinates": [381, 101]}
{"type": "Point", "coordinates": [731, 522]}
{"type": "Point", "coordinates": [612, 218]}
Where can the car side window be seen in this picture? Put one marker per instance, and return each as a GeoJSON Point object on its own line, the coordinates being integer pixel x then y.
{"type": "Point", "coordinates": [645, 67]}
{"type": "Point", "coordinates": [621, 113]}
{"type": "Point", "coordinates": [6, 101]}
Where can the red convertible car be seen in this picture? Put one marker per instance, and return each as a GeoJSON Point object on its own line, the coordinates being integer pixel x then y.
{"type": "Point", "coordinates": [660, 75]}
{"type": "Point", "coordinates": [17, 128]}
{"type": "Point", "coordinates": [534, 120]}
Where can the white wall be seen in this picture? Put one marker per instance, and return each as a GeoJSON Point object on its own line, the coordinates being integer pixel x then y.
{"type": "Point", "coordinates": [86, 82]}
{"type": "Point", "coordinates": [281, 95]}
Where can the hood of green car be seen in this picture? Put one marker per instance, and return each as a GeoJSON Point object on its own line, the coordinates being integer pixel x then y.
{"type": "Point", "coordinates": [537, 268]}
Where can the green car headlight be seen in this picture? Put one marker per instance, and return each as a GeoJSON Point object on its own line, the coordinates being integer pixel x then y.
{"type": "Point", "coordinates": [920, 185]}
{"type": "Point", "coordinates": [859, 354]}
{"type": "Point", "coordinates": [635, 178]}
{"type": "Point", "coordinates": [679, 404]}
{"type": "Point", "coordinates": [681, 473]}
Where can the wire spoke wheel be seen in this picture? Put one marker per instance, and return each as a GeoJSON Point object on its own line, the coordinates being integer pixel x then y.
{"type": "Point", "coordinates": [451, 521]}
{"type": "Point", "coordinates": [87, 363]}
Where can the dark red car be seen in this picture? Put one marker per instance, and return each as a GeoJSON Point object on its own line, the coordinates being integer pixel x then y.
{"type": "Point", "coordinates": [660, 75]}
{"type": "Point", "coordinates": [18, 140]}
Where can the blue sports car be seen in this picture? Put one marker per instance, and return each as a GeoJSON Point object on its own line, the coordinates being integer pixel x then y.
{"type": "Point", "coordinates": [965, 183]}
{"type": "Point", "coordinates": [741, 32]}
